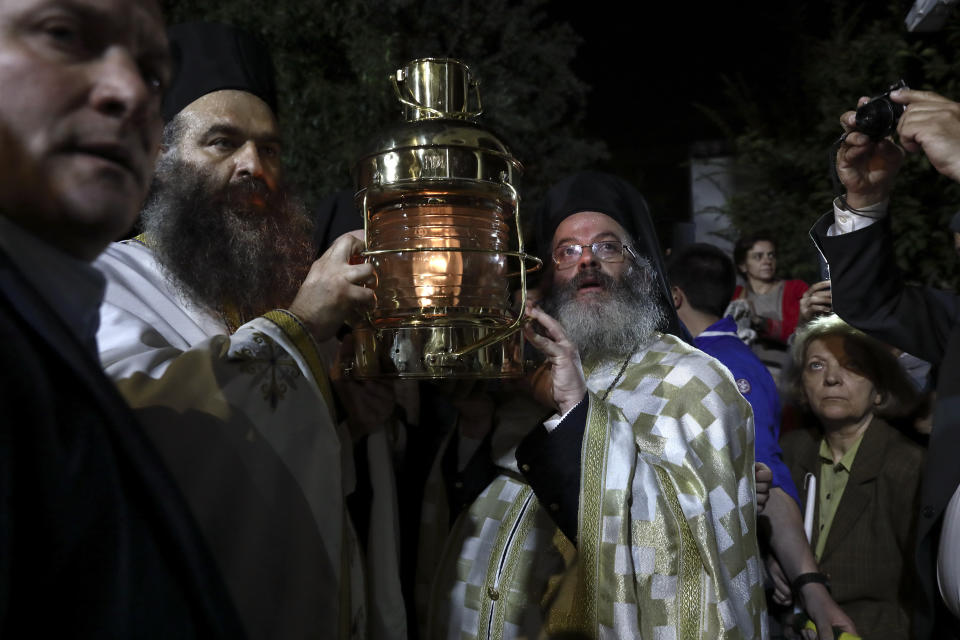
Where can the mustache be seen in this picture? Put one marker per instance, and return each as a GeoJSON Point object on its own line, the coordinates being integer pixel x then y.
{"type": "Point", "coordinates": [242, 192]}
{"type": "Point", "coordinates": [593, 275]}
{"type": "Point", "coordinates": [559, 294]}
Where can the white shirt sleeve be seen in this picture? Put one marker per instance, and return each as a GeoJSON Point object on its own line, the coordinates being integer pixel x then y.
{"type": "Point", "coordinates": [554, 420]}
{"type": "Point", "coordinates": [845, 220]}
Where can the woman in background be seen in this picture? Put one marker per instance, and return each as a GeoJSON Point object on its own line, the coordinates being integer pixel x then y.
{"type": "Point", "coordinates": [775, 303]}
{"type": "Point", "coordinates": [767, 309]}
{"type": "Point", "coordinates": [868, 473]}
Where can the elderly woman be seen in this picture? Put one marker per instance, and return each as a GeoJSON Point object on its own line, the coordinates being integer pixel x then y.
{"type": "Point", "coordinates": [868, 473]}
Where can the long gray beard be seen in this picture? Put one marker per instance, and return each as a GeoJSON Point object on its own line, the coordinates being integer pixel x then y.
{"type": "Point", "coordinates": [615, 322]}
{"type": "Point", "coordinates": [220, 252]}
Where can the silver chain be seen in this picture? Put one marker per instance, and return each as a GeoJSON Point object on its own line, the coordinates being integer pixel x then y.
{"type": "Point", "coordinates": [623, 368]}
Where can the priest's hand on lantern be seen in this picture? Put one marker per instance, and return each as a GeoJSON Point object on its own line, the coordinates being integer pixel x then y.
{"type": "Point", "coordinates": [866, 168]}
{"type": "Point", "coordinates": [562, 374]}
{"type": "Point", "coordinates": [333, 289]}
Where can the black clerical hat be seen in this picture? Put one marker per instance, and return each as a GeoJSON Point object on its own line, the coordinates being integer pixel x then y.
{"type": "Point", "coordinates": [593, 191]}
{"type": "Point", "coordinates": [210, 57]}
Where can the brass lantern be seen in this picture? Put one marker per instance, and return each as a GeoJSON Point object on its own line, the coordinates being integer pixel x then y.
{"type": "Point", "coordinates": [438, 195]}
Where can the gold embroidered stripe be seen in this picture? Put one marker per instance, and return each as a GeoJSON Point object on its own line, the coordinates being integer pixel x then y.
{"type": "Point", "coordinates": [303, 341]}
{"type": "Point", "coordinates": [690, 574]}
{"type": "Point", "coordinates": [493, 588]}
{"type": "Point", "coordinates": [515, 552]}
{"type": "Point", "coordinates": [589, 527]}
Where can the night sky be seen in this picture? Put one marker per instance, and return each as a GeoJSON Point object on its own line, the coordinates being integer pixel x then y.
{"type": "Point", "coordinates": [648, 74]}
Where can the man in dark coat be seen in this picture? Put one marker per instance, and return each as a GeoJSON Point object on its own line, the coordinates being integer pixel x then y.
{"type": "Point", "coordinates": [95, 539]}
{"type": "Point", "coordinates": [869, 293]}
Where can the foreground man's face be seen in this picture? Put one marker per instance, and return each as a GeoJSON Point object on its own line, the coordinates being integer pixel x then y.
{"type": "Point", "coordinates": [585, 228]}
{"type": "Point", "coordinates": [233, 136]}
{"type": "Point", "coordinates": [80, 89]}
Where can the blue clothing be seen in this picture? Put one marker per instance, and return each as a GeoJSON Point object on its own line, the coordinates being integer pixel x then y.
{"type": "Point", "coordinates": [756, 385]}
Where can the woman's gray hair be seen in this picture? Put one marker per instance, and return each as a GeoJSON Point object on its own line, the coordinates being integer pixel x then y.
{"type": "Point", "coordinates": [872, 359]}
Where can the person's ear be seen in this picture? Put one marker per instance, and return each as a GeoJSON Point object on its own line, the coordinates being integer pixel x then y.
{"type": "Point", "coordinates": [878, 398]}
{"type": "Point", "coordinates": [677, 293]}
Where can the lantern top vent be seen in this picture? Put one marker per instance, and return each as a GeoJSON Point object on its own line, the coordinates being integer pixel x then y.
{"type": "Point", "coordinates": [430, 88]}
{"type": "Point", "coordinates": [439, 138]}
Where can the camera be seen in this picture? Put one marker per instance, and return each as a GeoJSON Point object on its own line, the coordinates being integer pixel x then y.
{"type": "Point", "coordinates": [878, 118]}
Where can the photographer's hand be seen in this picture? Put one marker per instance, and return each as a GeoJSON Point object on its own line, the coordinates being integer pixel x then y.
{"type": "Point", "coordinates": [816, 301]}
{"type": "Point", "coordinates": [866, 168]}
{"type": "Point", "coordinates": [931, 123]}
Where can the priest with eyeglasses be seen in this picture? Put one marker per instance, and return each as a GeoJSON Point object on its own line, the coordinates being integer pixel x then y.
{"type": "Point", "coordinates": [630, 510]}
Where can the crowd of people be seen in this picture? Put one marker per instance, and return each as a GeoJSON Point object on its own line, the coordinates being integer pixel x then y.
{"type": "Point", "coordinates": [181, 457]}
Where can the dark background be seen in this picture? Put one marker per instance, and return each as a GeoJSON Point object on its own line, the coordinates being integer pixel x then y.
{"type": "Point", "coordinates": [632, 89]}
{"type": "Point", "coordinates": [660, 82]}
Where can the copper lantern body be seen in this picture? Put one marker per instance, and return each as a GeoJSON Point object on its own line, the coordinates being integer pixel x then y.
{"type": "Point", "coordinates": [438, 195]}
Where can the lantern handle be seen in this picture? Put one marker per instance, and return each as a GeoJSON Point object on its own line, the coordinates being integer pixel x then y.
{"type": "Point", "coordinates": [413, 103]}
{"type": "Point", "coordinates": [368, 314]}
{"type": "Point", "coordinates": [450, 358]}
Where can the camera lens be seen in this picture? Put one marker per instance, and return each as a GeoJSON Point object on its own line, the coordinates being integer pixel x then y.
{"type": "Point", "coordinates": [878, 118]}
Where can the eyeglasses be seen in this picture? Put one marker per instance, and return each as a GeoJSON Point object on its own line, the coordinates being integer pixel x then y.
{"type": "Point", "coordinates": [567, 255]}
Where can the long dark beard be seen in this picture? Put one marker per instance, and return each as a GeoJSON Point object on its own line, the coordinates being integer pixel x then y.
{"type": "Point", "coordinates": [219, 249]}
{"type": "Point", "coordinates": [614, 322]}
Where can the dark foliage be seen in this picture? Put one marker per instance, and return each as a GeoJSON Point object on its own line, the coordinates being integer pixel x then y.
{"type": "Point", "coordinates": [782, 164]}
{"type": "Point", "coordinates": [334, 59]}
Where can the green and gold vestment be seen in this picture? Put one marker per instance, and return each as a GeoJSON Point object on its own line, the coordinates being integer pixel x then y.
{"type": "Point", "coordinates": [666, 526]}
